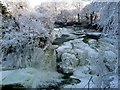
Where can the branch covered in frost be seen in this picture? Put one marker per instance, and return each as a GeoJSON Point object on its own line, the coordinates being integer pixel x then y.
{"type": "Point", "coordinates": [23, 30]}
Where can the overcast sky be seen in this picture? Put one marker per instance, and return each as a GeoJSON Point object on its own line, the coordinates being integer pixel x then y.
{"type": "Point", "coordinates": [36, 2]}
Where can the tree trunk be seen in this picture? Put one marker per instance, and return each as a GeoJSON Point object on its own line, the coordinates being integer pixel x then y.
{"type": "Point", "coordinates": [78, 17]}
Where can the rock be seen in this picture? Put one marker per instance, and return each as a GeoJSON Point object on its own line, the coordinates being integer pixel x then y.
{"type": "Point", "coordinates": [110, 60]}
{"type": "Point", "coordinates": [69, 59]}
{"type": "Point", "coordinates": [93, 35]}
{"type": "Point", "coordinates": [93, 43]}
{"type": "Point", "coordinates": [69, 62]}
{"type": "Point", "coordinates": [81, 55]}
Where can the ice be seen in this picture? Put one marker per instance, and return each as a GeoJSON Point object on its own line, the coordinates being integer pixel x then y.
{"type": "Point", "coordinates": [94, 33]}
{"type": "Point", "coordinates": [93, 59]}
{"type": "Point", "coordinates": [69, 60]}
{"type": "Point", "coordinates": [30, 77]}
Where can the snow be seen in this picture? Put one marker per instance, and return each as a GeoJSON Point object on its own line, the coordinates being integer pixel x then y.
{"type": "Point", "coordinates": [23, 32]}
{"type": "Point", "coordinates": [94, 33]}
{"type": "Point", "coordinates": [114, 82]}
{"type": "Point", "coordinates": [69, 60]}
{"type": "Point", "coordinates": [84, 78]}
{"type": "Point", "coordinates": [93, 43]}
{"type": "Point", "coordinates": [90, 59]}
{"type": "Point", "coordinates": [108, 18]}
{"type": "Point", "coordinates": [58, 32]}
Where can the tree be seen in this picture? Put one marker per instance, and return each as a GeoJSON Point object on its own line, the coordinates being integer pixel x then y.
{"type": "Point", "coordinates": [64, 16]}
{"type": "Point", "coordinates": [78, 5]}
{"type": "Point", "coordinates": [34, 32]}
{"type": "Point", "coordinates": [92, 17]}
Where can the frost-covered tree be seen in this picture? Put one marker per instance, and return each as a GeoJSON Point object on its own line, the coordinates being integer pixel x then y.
{"type": "Point", "coordinates": [78, 5]}
{"type": "Point", "coordinates": [46, 17]}
{"type": "Point", "coordinates": [23, 30]}
{"type": "Point", "coordinates": [64, 16]}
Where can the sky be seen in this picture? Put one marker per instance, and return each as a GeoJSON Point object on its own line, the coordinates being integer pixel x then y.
{"type": "Point", "coordinates": [33, 3]}
{"type": "Point", "coordinates": [36, 2]}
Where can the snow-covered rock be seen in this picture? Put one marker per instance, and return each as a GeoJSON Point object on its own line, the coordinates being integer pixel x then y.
{"type": "Point", "coordinates": [69, 60]}
{"type": "Point", "coordinates": [78, 54]}
{"type": "Point", "coordinates": [93, 43]}
{"type": "Point", "coordinates": [93, 59]}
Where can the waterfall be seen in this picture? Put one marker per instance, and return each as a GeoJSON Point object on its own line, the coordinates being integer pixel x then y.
{"type": "Point", "coordinates": [44, 59]}
{"type": "Point", "coordinates": [36, 71]}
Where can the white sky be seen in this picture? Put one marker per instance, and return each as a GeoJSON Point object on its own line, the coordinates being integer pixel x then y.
{"type": "Point", "coordinates": [36, 2]}
{"type": "Point", "coordinates": [33, 3]}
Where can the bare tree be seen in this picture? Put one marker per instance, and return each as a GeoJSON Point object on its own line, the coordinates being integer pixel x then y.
{"type": "Point", "coordinates": [78, 5]}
